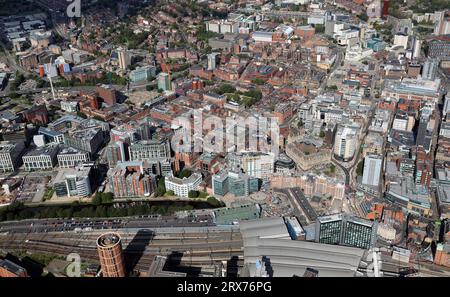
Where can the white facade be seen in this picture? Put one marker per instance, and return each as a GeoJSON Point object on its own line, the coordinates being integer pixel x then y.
{"type": "Point", "coordinates": [69, 106]}
{"type": "Point", "coordinates": [260, 165]}
{"type": "Point", "coordinates": [9, 155]}
{"type": "Point", "coordinates": [40, 159]}
{"type": "Point", "coordinates": [67, 160]}
{"type": "Point", "coordinates": [401, 40]}
{"type": "Point", "coordinates": [345, 143]}
{"type": "Point", "coordinates": [181, 187]}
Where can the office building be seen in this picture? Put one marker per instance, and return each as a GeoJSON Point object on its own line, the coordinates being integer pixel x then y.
{"type": "Point", "coordinates": [164, 82]}
{"type": "Point", "coordinates": [42, 158]}
{"type": "Point", "coordinates": [71, 182]}
{"type": "Point", "coordinates": [401, 39]}
{"type": "Point", "coordinates": [439, 49]}
{"type": "Point", "coordinates": [10, 153]}
{"type": "Point", "coordinates": [149, 150]}
{"type": "Point", "coordinates": [109, 248]}
{"type": "Point", "coordinates": [345, 143]}
{"type": "Point", "coordinates": [258, 165]}
{"type": "Point", "coordinates": [429, 69]}
{"type": "Point", "coordinates": [3, 80]}
{"type": "Point", "coordinates": [413, 89]}
{"type": "Point", "coordinates": [181, 187]}
{"type": "Point", "coordinates": [128, 179]}
{"type": "Point", "coordinates": [442, 26]}
{"type": "Point", "coordinates": [107, 94]}
{"type": "Point", "coordinates": [124, 58]}
{"type": "Point", "coordinates": [372, 170]}
{"type": "Point", "coordinates": [71, 157]}
{"type": "Point", "coordinates": [51, 136]}
{"type": "Point", "coordinates": [212, 61]}
{"type": "Point", "coordinates": [142, 74]}
{"type": "Point", "coordinates": [342, 229]}
{"type": "Point", "coordinates": [89, 140]}
{"type": "Point", "coordinates": [239, 184]}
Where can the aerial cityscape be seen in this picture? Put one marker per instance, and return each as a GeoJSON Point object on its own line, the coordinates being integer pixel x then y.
{"type": "Point", "coordinates": [224, 138]}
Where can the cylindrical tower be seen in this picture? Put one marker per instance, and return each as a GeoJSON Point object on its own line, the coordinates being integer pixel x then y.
{"type": "Point", "coordinates": [109, 247]}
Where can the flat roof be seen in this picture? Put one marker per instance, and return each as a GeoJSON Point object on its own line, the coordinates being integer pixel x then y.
{"type": "Point", "coordinates": [108, 240]}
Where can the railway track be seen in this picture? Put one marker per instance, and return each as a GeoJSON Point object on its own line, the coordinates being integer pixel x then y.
{"type": "Point", "coordinates": [197, 248]}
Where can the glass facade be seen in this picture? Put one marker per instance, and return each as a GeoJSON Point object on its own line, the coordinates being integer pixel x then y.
{"type": "Point", "coordinates": [357, 235]}
{"type": "Point", "coordinates": [330, 232]}
{"type": "Point", "coordinates": [60, 189]}
{"type": "Point", "coordinates": [344, 230]}
{"type": "Point", "coordinates": [221, 187]}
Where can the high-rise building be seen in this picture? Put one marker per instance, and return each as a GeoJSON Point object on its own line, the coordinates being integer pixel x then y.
{"type": "Point", "coordinates": [417, 47]}
{"type": "Point", "coordinates": [345, 143]}
{"type": "Point", "coordinates": [429, 69]}
{"type": "Point", "coordinates": [124, 58]}
{"type": "Point", "coordinates": [439, 49]}
{"type": "Point", "coordinates": [372, 170]}
{"type": "Point", "coordinates": [109, 248]}
{"type": "Point", "coordinates": [342, 229]}
{"type": "Point", "coordinates": [164, 81]}
{"type": "Point", "coordinates": [212, 61]}
{"type": "Point", "coordinates": [443, 24]}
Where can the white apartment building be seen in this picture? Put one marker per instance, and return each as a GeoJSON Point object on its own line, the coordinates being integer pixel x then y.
{"type": "Point", "coordinates": [181, 187]}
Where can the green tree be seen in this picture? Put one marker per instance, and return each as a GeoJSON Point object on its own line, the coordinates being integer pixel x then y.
{"type": "Point", "coordinates": [225, 88]}
{"type": "Point", "coordinates": [193, 194]}
{"type": "Point", "coordinates": [97, 199]}
{"type": "Point", "coordinates": [258, 81]}
{"type": "Point", "coordinates": [360, 168]}
{"type": "Point", "coordinates": [170, 193]}
{"type": "Point", "coordinates": [161, 188]}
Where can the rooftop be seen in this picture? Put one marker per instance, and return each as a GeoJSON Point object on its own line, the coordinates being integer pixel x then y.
{"type": "Point", "coordinates": [108, 240]}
